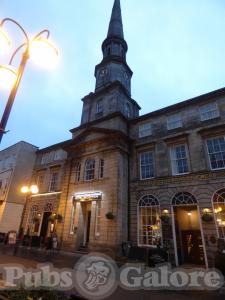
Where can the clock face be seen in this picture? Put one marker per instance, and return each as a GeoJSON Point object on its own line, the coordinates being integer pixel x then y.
{"type": "Point", "coordinates": [103, 73]}
{"type": "Point", "coordinates": [125, 75]}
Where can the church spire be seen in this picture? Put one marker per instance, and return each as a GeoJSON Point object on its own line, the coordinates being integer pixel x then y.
{"type": "Point", "coordinates": [113, 66]}
{"type": "Point", "coordinates": [116, 24]}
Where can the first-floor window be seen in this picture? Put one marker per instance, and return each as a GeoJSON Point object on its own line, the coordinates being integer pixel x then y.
{"type": "Point", "coordinates": [98, 218]}
{"type": "Point", "coordinates": [77, 171]}
{"type": "Point", "coordinates": [216, 151]}
{"type": "Point", "coordinates": [149, 221]}
{"type": "Point", "coordinates": [101, 168]}
{"type": "Point", "coordinates": [219, 210]}
{"type": "Point", "coordinates": [147, 165]}
{"type": "Point", "coordinates": [40, 182]}
{"type": "Point", "coordinates": [89, 169]}
{"type": "Point", "coordinates": [54, 182]}
{"type": "Point", "coordinates": [179, 160]}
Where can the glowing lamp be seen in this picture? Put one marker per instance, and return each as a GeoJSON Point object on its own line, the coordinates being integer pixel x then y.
{"type": "Point", "coordinates": [8, 76]}
{"type": "Point", "coordinates": [24, 189]}
{"type": "Point", "coordinates": [5, 42]}
{"type": "Point", "coordinates": [34, 189]}
{"type": "Point", "coordinates": [44, 53]}
{"type": "Point", "coordinates": [189, 214]}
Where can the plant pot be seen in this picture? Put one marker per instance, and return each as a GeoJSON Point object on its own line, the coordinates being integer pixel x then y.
{"type": "Point", "coordinates": [208, 218]}
{"type": "Point", "coordinates": [109, 216]}
{"type": "Point", "coordinates": [165, 219]}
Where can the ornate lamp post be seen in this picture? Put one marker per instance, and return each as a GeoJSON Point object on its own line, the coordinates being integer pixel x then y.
{"type": "Point", "coordinates": [27, 191]}
{"type": "Point", "coordinates": [39, 48]}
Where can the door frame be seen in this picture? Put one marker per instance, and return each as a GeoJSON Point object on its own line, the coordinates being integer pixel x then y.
{"type": "Point", "coordinates": [175, 236]}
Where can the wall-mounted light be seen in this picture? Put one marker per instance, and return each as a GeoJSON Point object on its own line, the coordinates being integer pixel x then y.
{"type": "Point", "coordinates": [88, 196]}
{"type": "Point", "coordinates": [207, 210]}
{"type": "Point", "coordinates": [165, 212]}
{"type": "Point", "coordinates": [218, 210]}
{"type": "Point", "coordinates": [189, 214]}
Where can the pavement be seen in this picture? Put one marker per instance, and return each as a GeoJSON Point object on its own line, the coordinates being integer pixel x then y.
{"type": "Point", "coordinates": [30, 259]}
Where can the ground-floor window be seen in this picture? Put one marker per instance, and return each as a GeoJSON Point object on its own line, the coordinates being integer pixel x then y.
{"type": "Point", "coordinates": [219, 210]}
{"type": "Point", "coordinates": [149, 221]}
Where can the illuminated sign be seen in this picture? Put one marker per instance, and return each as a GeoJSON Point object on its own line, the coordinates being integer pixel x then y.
{"type": "Point", "coordinates": [88, 196]}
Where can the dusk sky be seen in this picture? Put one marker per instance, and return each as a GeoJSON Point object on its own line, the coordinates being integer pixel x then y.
{"type": "Point", "coordinates": [176, 51]}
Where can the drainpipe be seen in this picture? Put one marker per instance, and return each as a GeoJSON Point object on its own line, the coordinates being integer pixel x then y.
{"type": "Point", "coordinates": [67, 195]}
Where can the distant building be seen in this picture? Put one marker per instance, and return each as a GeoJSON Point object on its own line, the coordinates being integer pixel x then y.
{"type": "Point", "coordinates": [16, 165]}
{"type": "Point", "coordinates": [48, 175]}
{"type": "Point", "coordinates": [157, 180]}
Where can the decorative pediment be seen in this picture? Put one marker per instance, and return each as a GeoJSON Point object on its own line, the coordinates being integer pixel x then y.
{"type": "Point", "coordinates": [96, 134]}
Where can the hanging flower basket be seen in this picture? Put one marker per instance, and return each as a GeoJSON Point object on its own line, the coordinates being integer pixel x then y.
{"type": "Point", "coordinates": [109, 215]}
{"type": "Point", "coordinates": [208, 218]}
{"type": "Point", "coordinates": [55, 217]}
{"type": "Point", "coordinates": [165, 219]}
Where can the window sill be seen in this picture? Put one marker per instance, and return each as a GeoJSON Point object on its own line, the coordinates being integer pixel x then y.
{"type": "Point", "coordinates": [181, 174]}
{"type": "Point", "coordinates": [143, 179]}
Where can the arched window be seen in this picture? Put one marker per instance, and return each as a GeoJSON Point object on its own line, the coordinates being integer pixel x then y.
{"type": "Point", "coordinates": [219, 211]}
{"type": "Point", "coordinates": [89, 169]}
{"type": "Point", "coordinates": [149, 221]}
{"type": "Point", "coordinates": [184, 198]}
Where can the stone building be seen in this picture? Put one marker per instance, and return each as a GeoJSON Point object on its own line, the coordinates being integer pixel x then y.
{"type": "Point", "coordinates": [41, 214]}
{"type": "Point", "coordinates": [155, 180]}
{"type": "Point", "coordinates": [16, 165]}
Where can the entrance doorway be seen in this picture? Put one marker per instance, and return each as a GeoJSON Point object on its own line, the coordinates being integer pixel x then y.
{"type": "Point", "coordinates": [45, 223]}
{"type": "Point", "coordinates": [188, 239]}
{"type": "Point", "coordinates": [86, 209]}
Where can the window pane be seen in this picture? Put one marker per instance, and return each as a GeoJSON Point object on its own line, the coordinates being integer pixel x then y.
{"type": "Point", "coordinates": [174, 121]}
{"type": "Point", "coordinates": [149, 222]}
{"type": "Point", "coordinates": [179, 160]}
{"type": "Point", "coordinates": [216, 151]}
{"type": "Point", "coordinates": [90, 169]}
{"type": "Point", "coordinates": [147, 165]}
{"type": "Point", "coordinates": [145, 130]}
{"type": "Point", "coordinates": [209, 111]}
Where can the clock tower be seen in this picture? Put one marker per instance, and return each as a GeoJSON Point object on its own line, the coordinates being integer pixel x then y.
{"type": "Point", "coordinates": [113, 67]}
{"type": "Point", "coordinates": [113, 77]}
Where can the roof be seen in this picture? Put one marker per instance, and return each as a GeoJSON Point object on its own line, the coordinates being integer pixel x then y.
{"type": "Point", "coordinates": [183, 104]}
{"type": "Point", "coordinates": [55, 146]}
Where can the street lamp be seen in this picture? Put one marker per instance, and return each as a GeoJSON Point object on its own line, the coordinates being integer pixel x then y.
{"type": "Point", "coordinates": [39, 49]}
{"type": "Point", "coordinates": [28, 191]}
{"type": "Point", "coordinates": [33, 189]}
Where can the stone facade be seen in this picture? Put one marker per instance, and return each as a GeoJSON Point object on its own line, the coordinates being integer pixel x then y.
{"type": "Point", "coordinates": [16, 165]}
{"type": "Point", "coordinates": [157, 180]}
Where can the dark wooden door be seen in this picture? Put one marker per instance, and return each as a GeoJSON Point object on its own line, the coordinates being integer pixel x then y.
{"type": "Point", "coordinates": [45, 222]}
{"type": "Point", "coordinates": [88, 227]}
{"type": "Point", "coordinates": [192, 247]}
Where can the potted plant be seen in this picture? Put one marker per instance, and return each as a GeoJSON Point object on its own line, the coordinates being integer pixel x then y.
{"type": "Point", "coordinates": [55, 217]}
{"type": "Point", "coordinates": [109, 215]}
{"type": "Point", "coordinates": [59, 218]}
{"type": "Point", "coordinates": [207, 217]}
{"type": "Point", "coordinates": [165, 219]}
